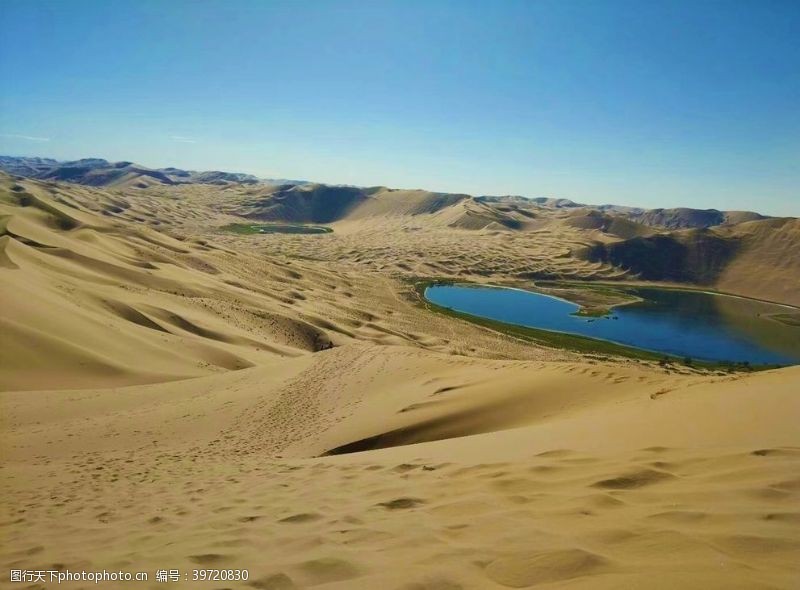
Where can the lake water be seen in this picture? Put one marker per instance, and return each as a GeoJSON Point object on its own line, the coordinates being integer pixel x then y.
{"type": "Point", "coordinates": [682, 323]}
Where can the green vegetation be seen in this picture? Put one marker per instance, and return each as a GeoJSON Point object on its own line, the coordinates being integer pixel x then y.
{"type": "Point", "coordinates": [276, 228]}
{"type": "Point", "coordinates": [592, 312]}
{"type": "Point", "coordinates": [567, 341]}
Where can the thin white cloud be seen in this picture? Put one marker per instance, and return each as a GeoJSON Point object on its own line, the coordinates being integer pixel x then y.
{"type": "Point", "coordinates": [182, 139]}
{"type": "Point", "coordinates": [25, 137]}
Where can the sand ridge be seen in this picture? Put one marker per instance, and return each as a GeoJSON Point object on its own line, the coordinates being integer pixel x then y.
{"type": "Point", "coordinates": [178, 397]}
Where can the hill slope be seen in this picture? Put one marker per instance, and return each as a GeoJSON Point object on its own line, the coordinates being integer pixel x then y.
{"type": "Point", "coordinates": [80, 291]}
{"type": "Point", "coordinates": [757, 258]}
{"type": "Point", "coordinates": [683, 218]}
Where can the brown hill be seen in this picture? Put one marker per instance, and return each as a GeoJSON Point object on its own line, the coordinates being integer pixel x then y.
{"type": "Point", "coordinates": [755, 258]}
{"type": "Point", "coordinates": [316, 203]}
{"type": "Point", "coordinates": [767, 265]}
{"type": "Point", "coordinates": [684, 218]}
{"type": "Point", "coordinates": [693, 256]}
{"type": "Point", "coordinates": [613, 225]}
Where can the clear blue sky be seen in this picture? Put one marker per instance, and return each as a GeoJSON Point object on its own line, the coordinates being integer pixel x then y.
{"type": "Point", "coordinates": [649, 103]}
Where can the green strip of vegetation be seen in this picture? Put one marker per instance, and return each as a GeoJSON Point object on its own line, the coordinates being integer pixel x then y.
{"type": "Point", "coordinates": [574, 342]}
{"type": "Point", "coordinates": [593, 312]}
{"type": "Point", "coordinates": [276, 228]}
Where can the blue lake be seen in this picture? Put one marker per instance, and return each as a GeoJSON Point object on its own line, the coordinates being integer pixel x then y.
{"type": "Point", "coordinates": [683, 323]}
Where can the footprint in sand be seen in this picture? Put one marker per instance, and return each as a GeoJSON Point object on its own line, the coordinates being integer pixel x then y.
{"type": "Point", "coordinates": [634, 480]}
{"type": "Point", "coordinates": [302, 517]}
{"type": "Point", "coordinates": [207, 558]}
{"type": "Point", "coordinates": [401, 503]}
{"type": "Point", "coordinates": [274, 582]}
{"type": "Point", "coordinates": [540, 567]}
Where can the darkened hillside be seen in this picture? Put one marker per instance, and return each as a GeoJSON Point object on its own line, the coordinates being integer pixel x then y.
{"type": "Point", "coordinates": [697, 256]}
{"type": "Point", "coordinates": [317, 203]}
{"type": "Point", "coordinates": [685, 218]}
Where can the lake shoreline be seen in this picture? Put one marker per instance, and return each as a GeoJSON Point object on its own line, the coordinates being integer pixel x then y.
{"type": "Point", "coordinates": [584, 343]}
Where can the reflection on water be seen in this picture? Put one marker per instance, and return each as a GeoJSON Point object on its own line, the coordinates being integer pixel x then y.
{"type": "Point", "coordinates": [683, 323]}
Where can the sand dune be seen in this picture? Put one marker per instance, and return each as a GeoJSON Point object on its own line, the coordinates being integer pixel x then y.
{"type": "Point", "coordinates": [174, 396]}
{"type": "Point", "coordinates": [510, 238]}
{"type": "Point", "coordinates": [578, 482]}
{"type": "Point", "coordinates": [765, 267]}
{"type": "Point", "coordinates": [753, 258]}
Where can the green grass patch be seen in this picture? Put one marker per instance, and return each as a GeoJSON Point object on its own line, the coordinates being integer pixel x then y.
{"type": "Point", "coordinates": [276, 228]}
{"type": "Point", "coordinates": [592, 312]}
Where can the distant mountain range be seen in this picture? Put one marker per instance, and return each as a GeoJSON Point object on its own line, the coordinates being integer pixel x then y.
{"type": "Point", "coordinates": [676, 218]}
{"type": "Point", "coordinates": [100, 172]}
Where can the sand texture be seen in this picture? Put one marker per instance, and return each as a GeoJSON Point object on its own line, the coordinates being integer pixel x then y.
{"type": "Point", "coordinates": [177, 396]}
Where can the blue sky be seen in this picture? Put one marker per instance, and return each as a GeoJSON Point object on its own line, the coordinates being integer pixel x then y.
{"type": "Point", "coordinates": [649, 103]}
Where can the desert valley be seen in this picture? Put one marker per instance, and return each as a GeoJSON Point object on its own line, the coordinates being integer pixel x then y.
{"type": "Point", "coordinates": [209, 370]}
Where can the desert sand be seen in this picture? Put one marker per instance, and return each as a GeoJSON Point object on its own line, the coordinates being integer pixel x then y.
{"type": "Point", "coordinates": [175, 396]}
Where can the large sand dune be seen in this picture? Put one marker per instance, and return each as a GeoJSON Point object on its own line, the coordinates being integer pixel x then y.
{"type": "Point", "coordinates": [175, 396]}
